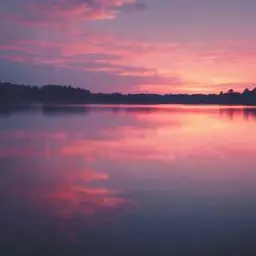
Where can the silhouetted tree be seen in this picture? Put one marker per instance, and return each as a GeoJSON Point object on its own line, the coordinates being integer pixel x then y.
{"type": "Point", "coordinates": [60, 94]}
{"type": "Point", "coordinates": [246, 91]}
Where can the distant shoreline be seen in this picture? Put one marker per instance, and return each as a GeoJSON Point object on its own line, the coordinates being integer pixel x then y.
{"type": "Point", "coordinates": [14, 94]}
{"type": "Point", "coordinates": [39, 104]}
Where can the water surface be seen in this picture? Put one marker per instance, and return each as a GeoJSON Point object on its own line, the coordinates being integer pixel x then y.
{"type": "Point", "coordinates": [129, 180]}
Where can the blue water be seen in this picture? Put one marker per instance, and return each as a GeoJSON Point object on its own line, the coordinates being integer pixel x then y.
{"type": "Point", "coordinates": [128, 180]}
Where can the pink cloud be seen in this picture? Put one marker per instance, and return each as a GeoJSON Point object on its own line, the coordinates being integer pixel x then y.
{"type": "Point", "coordinates": [60, 12]}
{"type": "Point", "coordinates": [56, 33]}
{"type": "Point", "coordinates": [32, 135]}
{"type": "Point", "coordinates": [92, 53]}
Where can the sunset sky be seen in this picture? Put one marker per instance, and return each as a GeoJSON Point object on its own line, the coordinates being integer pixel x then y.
{"type": "Point", "coordinates": [163, 46]}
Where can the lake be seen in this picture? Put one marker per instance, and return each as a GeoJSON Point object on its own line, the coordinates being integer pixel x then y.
{"type": "Point", "coordinates": [128, 180]}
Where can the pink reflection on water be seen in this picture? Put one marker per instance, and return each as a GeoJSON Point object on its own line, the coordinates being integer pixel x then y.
{"type": "Point", "coordinates": [168, 135]}
{"type": "Point", "coordinates": [67, 197]}
{"type": "Point", "coordinates": [189, 152]}
{"type": "Point", "coordinates": [64, 193]}
{"type": "Point", "coordinates": [197, 150]}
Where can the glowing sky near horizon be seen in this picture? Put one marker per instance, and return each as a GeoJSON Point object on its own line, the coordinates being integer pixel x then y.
{"type": "Point", "coordinates": [130, 45]}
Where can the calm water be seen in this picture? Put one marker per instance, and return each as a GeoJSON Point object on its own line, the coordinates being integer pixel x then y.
{"type": "Point", "coordinates": [132, 180]}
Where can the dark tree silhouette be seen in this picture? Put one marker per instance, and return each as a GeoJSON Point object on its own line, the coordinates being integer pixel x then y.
{"type": "Point", "coordinates": [13, 94]}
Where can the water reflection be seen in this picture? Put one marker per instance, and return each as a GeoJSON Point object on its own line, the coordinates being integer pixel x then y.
{"type": "Point", "coordinates": [70, 193]}
{"type": "Point", "coordinates": [229, 111]}
{"type": "Point", "coordinates": [75, 181]}
{"type": "Point", "coordinates": [57, 200]}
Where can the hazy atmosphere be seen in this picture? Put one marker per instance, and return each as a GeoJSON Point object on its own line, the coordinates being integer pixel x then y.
{"type": "Point", "coordinates": [128, 45]}
{"type": "Point", "coordinates": [127, 127]}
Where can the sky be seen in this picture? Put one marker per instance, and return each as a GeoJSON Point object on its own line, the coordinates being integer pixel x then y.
{"type": "Point", "coordinates": [152, 46]}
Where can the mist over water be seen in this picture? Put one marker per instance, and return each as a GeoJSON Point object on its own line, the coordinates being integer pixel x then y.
{"type": "Point", "coordinates": [128, 180]}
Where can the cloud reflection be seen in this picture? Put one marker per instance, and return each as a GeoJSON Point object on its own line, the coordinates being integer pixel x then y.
{"type": "Point", "coordinates": [71, 192]}
{"type": "Point", "coordinates": [58, 193]}
{"type": "Point", "coordinates": [111, 162]}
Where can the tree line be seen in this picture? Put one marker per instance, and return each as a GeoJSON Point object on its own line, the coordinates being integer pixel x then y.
{"type": "Point", "coordinates": [58, 94]}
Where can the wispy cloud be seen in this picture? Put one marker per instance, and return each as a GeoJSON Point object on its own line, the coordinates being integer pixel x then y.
{"type": "Point", "coordinates": [67, 40]}
{"type": "Point", "coordinates": [56, 12]}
